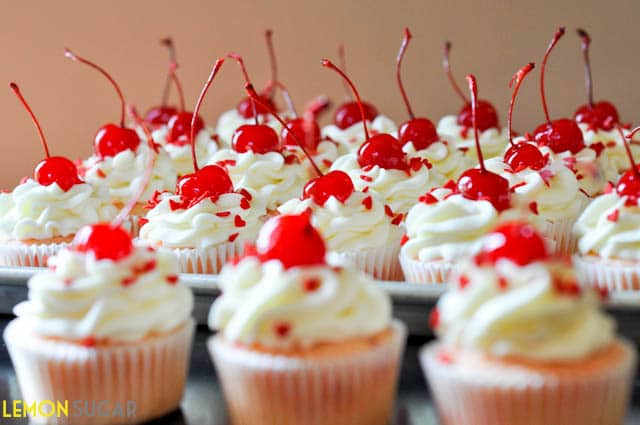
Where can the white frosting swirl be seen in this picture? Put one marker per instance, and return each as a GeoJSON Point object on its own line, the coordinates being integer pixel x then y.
{"type": "Point", "coordinates": [357, 224]}
{"type": "Point", "coordinates": [324, 156]}
{"type": "Point", "coordinates": [123, 173]}
{"type": "Point", "coordinates": [350, 139]}
{"type": "Point", "coordinates": [181, 158]}
{"type": "Point", "coordinates": [203, 225]}
{"type": "Point", "coordinates": [511, 310]}
{"type": "Point", "coordinates": [80, 297]}
{"type": "Point", "coordinates": [446, 160]}
{"type": "Point", "coordinates": [610, 228]}
{"type": "Point", "coordinates": [614, 146]}
{"type": "Point", "coordinates": [492, 140]}
{"type": "Point", "coordinates": [33, 211]}
{"type": "Point", "coordinates": [267, 305]}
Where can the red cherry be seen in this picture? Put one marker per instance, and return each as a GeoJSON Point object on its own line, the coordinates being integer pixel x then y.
{"type": "Point", "coordinates": [104, 240]}
{"type": "Point", "coordinates": [209, 181]}
{"type": "Point", "coordinates": [257, 138]}
{"type": "Point", "coordinates": [180, 128]}
{"type": "Point", "coordinates": [524, 155]}
{"type": "Point", "coordinates": [57, 169]}
{"type": "Point", "coordinates": [420, 131]}
{"type": "Point", "coordinates": [602, 115]}
{"type": "Point", "coordinates": [560, 136]}
{"type": "Point", "coordinates": [487, 116]}
{"type": "Point", "coordinates": [335, 183]}
{"type": "Point", "coordinates": [159, 115]}
{"type": "Point", "coordinates": [292, 240]}
{"type": "Point", "coordinates": [348, 114]}
{"type": "Point", "coordinates": [515, 241]}
{"type": "Point", "coordinates": [307, 131]}
{"type": "Point", "coordinates": [246, 109]}
{"type": "Point", "coordinates": [112, 139]}
{"type": "Point", "coordinates": [382, 150]}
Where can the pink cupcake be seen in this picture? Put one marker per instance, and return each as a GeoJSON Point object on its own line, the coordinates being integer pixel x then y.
{"type": "Point", "coordinates": [521, 343]}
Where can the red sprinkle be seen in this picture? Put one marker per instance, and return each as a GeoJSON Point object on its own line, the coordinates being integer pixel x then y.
{"type": "Point", "coordinates": [312, 284]}
{"type": "Point", "coordinates": [245, 204]}
{"type": "Point", "coordinates": [146, 267]}
{"type": "Point", "coordinates": [517, 185]}
{"type": "Point", "coordinates": [445, 357]}
{"type": "Point", "coordinates": [101, 173]}
{"type": "Point", "coordinates": [282, 329]}
{"type": "Point", "coordinates": [502, 283]}
{"type": "Point", "coordinates": [533, 206]}
{"type": "Point", "coordinates": [614, 216]}
{"type": "Point", "coordinates": [365, 189]}
{"type": "Point", "coordinates": [367, 202]}
{"type": "Point", "coordinates": [463, 281]}
{"type": "Point", "coordinates": [603, 292]}
{"type": "Point", "coordinates": [239, 222]}
{"type": "Point", "coordinates": [397, 220]}
{"type": "Point", "coordinates": [290, 159]}
{"type": "Point", "coordinates": [428, 198]}
{"type": "Point", "coordinates": [244, 192]}
{"type": "Point", "coordinates": [404, 240]}
{"type": "Point", "coordinates": [172, 279]}
{"type": "Point", "coordinates": [233, 237]}
{"type": "Point", "coordinates": [570, 288]}
{"type": "Point", "coordinates": [366, 178]}
{"type": "Point", "coordinates": [451, 185]}
{"type": "Point", "coordinates": [89, 341]}
{"type": "Point", "coordinates": [142, 221]}
{"type": "Point", "coordinates": [128, 280]}
{"type": "Point", "coordinates": [388, 211]}
{"type": "Point", "coordinates": [327, 163]}
{"type": "Point", "coordinates": [223, 214]}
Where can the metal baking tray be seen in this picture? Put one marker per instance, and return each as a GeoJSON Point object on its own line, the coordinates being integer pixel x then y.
{"type": "Point", "coordinates": [412, 302]}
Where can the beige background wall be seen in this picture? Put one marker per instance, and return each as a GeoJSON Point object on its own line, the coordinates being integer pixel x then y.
{"type": "Point", "coordinates": [491, 39]}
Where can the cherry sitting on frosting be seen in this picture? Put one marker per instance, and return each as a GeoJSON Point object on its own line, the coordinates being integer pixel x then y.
{"type": "Point", "coordinates": [105, 240]}
{"type": "Point", "coordinates": [161, 114]}
{"type": "Point", "coordinates": [486, 115]}
{"type": "Point", "coordinates": [292, 240]}
{"type": "Point", "coordinates": [629, 183]}
{"type": "Point", "coordinates": [597, 115]}
{"type": "Point", "coordinates": [335, 183]}
{"type": "Point", "coordinates": [53, 169]}
{"type": "Point", "coordinates": [479, 183]}
{"type": "Point", "coordinates": [419, 131]}
{"type": "Point", "coordinates": [180, 127]}
{"type": "Point", "coordinates": [111, 139]}
{"type": "Point", "coordinates": [305, 130]}
{"type": "Point", "coordinates": [208, 181]}
{"type": "Point", "coordinates": [515, 241]}
{"type": "Point", "coordinates": [559, 135]}
{"type": "Point", "coordinates": [522, 155]}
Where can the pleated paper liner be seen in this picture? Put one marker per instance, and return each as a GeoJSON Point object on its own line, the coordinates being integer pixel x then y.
{"type": "Point", "coordinates": [381, 263]}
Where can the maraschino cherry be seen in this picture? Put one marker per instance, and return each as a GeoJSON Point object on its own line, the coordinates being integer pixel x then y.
{"type": "Point", "coordinates": [249, 109]}
{"type": "Point", "coordinates": [522, 155]}
{"type": "Point", "coordinates": [597, 115]}
{"type": "Point", "coordinates": [559, 135]}
{"type": "Point", "coordinates": [352, 112]}
{"type": "Point", "coordinates": [515, 241]}
{"type": "Point", "coordinates": [292, 240]}
{"type": "Point", "coordinates": [257, 138]}
{"type": "Point", "coordinates": [53, 169]}
{"type": "Point", "coordinates": [419, 131]}
{"type": "Point", "coordinates": [161, 114]}
{"type": "Point", "coordinates": [479, 183]}
{"type": "Point", "coordinates": [383, 149]}
{"type": "Point", "coordinates": [111, 139]}
{"type": "Point", "coordinates": [629, 183]}
{"type": "Point", "coordinates": [486, 115]}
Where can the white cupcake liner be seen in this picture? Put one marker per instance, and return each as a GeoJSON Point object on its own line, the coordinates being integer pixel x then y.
{"type": "Point", "coordinates": [381, 263]}
{"type": "Point", "coordinates": [430, 272]}
{"type": "Point", "coordinates": [28, 255]}
{"type": "Point", "coordinates": [561, 233]}
{"type": "Point", "coordinates": [492, 393]}
{"type": "Point", "coordinates": [345, 388]}
{"type": "Point", "coordinates": [615, 275]}
{"type": "Point", "coordinates": [208, 260]}
{"type": "Point", "coordinates": [150, 373]}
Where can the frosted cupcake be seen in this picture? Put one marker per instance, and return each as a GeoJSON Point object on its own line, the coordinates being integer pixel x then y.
{"type": "Point", "coordinates": [521, 343]}
{"type": "Point", "coordinates": [102, 323]}
{"type": "Point", "coordinates": [288, 320]}
{"type": "Point", "coordinates": [356, 226]}
{"type": "Point", "coordinates": [42, 214]}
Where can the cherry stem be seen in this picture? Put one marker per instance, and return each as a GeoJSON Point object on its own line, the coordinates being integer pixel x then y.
{"type": "Point", "coordinates": [69, 54]}
{"type": "Point", "coordinates": [586, 42]}
{"type": "Point", "coordinates": [315, 107]}
{"type": "Point", "coordinates": [447, 69]}
{"type": "Point", "coordinates": [133, 113]}
{"type": "Point", "coordinates": [342, 58]}
{"type": "Point", "coordinates": [268, 35]}
{"type": "Point", "coordinates": [168, 42]}
{"type": "Point", "coordinates": [148, 172]}
{"type": "Point", "coordinates": [174, 77]}
{"type": "Point", "coordinates": [629, 137]}
{"type": "Point", "coordinates": [236, 57]}
{"type": "Point", "coordinates": [285, 95]}
{"type": "Point", "coordinates": [18, 93]}
{"type": "Point", "coordinates": [473, 88]}
{"type": "Point", "coordinates": [517, 79]}
{"type": "Point", "coordinates": [401, 52]}
{"type": "Point", "coordinates": [251, 92]}
{"type": "Point", "coordinates": [328, 64]}
{"type": "Point", "coordinates": [194, 116]}
{"type": "Point", "coordinates": [557, 36]}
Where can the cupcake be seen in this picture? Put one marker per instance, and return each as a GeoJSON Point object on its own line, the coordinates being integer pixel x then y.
{"type": "Point", "coordinates": [287, 320]}
{"type": "Point", "coordinates": [102, 323]}
{"type": "Point", "coordinates": [355, 225]}
{"type": "Point", "coordinates": [521, 343]}
{"type": "Point", "coordinates": [42, 214]}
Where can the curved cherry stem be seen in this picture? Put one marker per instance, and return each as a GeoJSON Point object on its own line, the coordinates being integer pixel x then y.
{"type": "Point", "coordinates": [168, 42]}
{"type": "Point", "coordinates": [557, 36]}
{"type": "Point", "coordinates": [285, 95]}
{"type": "Point", "coordinates": [268, 35]}
{"type": "Point", "coordinates": [316, 106]}
{"type": "Point", "coordinates": [251, 92]}
{"type": "Point", "coordinates": [447, 69]}
{"type": "Point", "coordinates": [146, 178]}
{"type": "Point", "coordinates": [174, 77]}
{"type": "Point", "coordinates": [328, 64]}
{"type": "Point", "coordinates": [403, 48]}
{"type": "Point", "coordinates": [342, 58]}
{"type": "Point", "coordinates": [586, 42]}
{"type": "Point", "coordinates": [133, 113]}
{"type": "Point", "coordinates": [473, 88]}
{"type": "Point", "coordinates": [517, 79]}
{"type": "Point", "coordinates": [196, 109]}
{"type": "Point", "coordinates": [236, 57]}
{"type": "Point", "coordinates": [69, 54]}
{"type": "Point", "coordinates": [629, 137]}
{"type": "Point", "coordinates": [35, 121]}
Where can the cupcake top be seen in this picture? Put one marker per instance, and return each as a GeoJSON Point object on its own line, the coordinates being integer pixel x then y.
{"type": "Point", "coordinates": [445, 158]}
{"type": "Point", "coordinates": [123, 172]}
{"type": "Point", "coordinates": [36, 211]}
{"type": "Point", "coordinates": [493, 140]}
{"type": "Point", "coordinates": [281, 297]}
{"type": "Point", "coordinates": [350, 138]}
{"type": "Point", "coordinates": [105, 288]}
{"type": "Point", "coordinates": [611, 144]}
{"type": "Point", "coordinates": [513, 300]}
{"type": "Point", "coordinates": [180, 153]}
{"type": "Point", "coordinates": [324, 155]}
{"type": "Point", "coordinates": [348, 219]}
